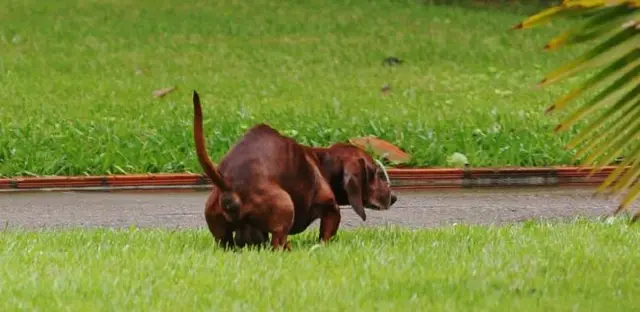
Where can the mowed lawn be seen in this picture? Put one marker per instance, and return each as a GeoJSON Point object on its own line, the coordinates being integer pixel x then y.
{"type": "Point", "coordinates": [78, 77]}
{"type": "Point", "coordinates": [571, 266]}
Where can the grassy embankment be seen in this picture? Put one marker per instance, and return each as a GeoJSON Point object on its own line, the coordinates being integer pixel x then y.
{"type": "Point", "coordinates": [78, 77]}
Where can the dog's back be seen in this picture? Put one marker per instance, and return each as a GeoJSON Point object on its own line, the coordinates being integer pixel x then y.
{"type": "Point", "coordinates": [265, 157]}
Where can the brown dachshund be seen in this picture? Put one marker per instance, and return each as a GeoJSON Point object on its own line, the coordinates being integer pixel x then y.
{"type": "Point", "coordinates": [269, 184]}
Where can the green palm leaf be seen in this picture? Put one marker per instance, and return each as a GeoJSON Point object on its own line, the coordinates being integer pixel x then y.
{"type": "Point", "coordinates": [624, 41]}
{"type": "Point", "coordinates": [616, 127]}
{"type": "Point", "coordinates": [625, 63]}
{"type": "Point", "coordinates": [603, 23]}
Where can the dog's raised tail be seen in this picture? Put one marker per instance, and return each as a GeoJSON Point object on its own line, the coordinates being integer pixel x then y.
{"type": "Point", "coordinates": [201, 149]}
{"type": "Point", "coordinates": [229, 199]}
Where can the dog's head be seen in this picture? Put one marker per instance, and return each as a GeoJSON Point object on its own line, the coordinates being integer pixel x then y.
{"type": "Point", "coordinates": [357, 179]}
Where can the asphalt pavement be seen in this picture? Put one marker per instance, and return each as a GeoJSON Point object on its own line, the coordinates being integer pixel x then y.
{"type": "Point", "coordinates": [413, 209]}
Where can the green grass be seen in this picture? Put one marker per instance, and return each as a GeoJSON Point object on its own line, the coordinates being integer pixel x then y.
{"type": "Point", "coordinates": [77, 78]}
{"type": "Point", "coordinates": [580, 265]}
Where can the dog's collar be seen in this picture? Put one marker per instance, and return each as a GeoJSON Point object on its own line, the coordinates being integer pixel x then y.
{"type": "Point", "coordinates": [386, 175]}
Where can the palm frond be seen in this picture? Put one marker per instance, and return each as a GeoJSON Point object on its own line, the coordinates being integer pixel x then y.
{"type": "Point", "coordinates": [617, 127]}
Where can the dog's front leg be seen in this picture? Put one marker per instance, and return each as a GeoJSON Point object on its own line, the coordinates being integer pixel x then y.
{"type": "Point", "coordinates": [329, 223]}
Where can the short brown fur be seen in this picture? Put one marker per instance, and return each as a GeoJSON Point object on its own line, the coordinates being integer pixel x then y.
{"type": "Point", "coordinates": [269, 184]}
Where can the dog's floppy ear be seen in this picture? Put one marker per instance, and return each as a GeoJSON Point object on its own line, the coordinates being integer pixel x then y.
{"type": "Point", "coordinates": [354, 179]}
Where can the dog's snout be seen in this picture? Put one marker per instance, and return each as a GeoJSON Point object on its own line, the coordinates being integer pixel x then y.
{"type": "Point", "coordinates": [394, 198]}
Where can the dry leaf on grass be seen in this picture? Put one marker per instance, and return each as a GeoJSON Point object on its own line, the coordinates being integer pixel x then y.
{"type": "Point", "coordinates": [162, 92]}
{"type": "Point", "coordinates": [385, 89]}
{"type": "Point", "coordinates": [382, 148]}
{"type": "Point", "coordinates": [392, 61]}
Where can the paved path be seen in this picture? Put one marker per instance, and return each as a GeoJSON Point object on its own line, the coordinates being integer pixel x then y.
{"type": "Point", "coordinates": [184, 209]}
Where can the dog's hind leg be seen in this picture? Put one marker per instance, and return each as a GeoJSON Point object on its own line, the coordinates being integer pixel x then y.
{"type": "Point", "coordinates": [280, 217]}
{"type": "Point", "coordinates": [220, 230]}
{"type": "Point", "coordinates": [247, 235]}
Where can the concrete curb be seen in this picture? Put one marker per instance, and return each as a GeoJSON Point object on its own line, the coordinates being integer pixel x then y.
{"type": "Point", "coordinates": [401, 179]}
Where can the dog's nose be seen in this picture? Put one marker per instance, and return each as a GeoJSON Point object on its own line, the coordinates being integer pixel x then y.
{"type": "Point", "coordinates": [394, 198]}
